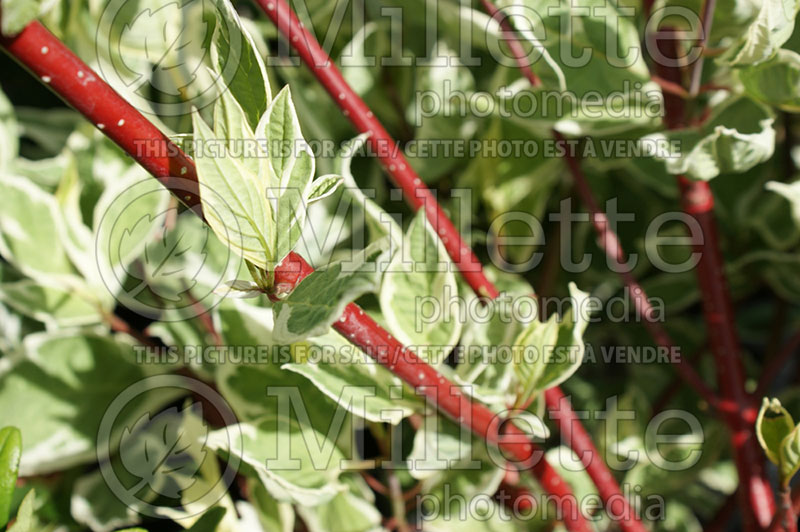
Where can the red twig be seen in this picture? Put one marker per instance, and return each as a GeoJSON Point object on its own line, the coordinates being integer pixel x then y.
{"type": "Point", "coordinates": [449, 398]}
{"type": "Point", "coordinates": [47, 57]}
{"type": "Point", "coordinates": [514, 45]}
{"type": "Point", "coordinates": [384, 146]}
{"type": "Point", "coordinates": [609, 242]}
{"type": "Point", "coordinates": [786, 519]}
{"type": "Point", "coordinates": [698, 202]}
{"type": "Point", "coordinates": [756, 498]}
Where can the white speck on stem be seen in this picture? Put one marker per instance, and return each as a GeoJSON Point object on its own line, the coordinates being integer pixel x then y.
{"type": "Point", "coordinates": [341, 96]}
{"type": "Point", "coordinates": [121, 122]}
{"type": "Point", "coordinates": [421, 376]}
{"type": "Point", "coordinates": [46, 79]}
{"type": "Point", "coordinates": [80, 73]}
{"type": "Point", "coordinates": [369, 114]}
{"type": "Point", "coordinates": [270, 6]}
{"type": "Point", "coordinates": [184, 170]}
{"type": "Point", "coordinates": [101, 126]}
{"type": "Point", "coordinates": [392, 168]}
{"type": "Point", "coordinates": [45, 49]}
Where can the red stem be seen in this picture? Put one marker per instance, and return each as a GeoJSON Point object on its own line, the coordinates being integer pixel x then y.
{"type": "Point", "coordinates": [513, 44]}
{"type": "Point", "coordinates": [41, 52]}
{"type": "Point", "coordinates": [698, 202]}
{"type": "Point", "coordinates": [609, 242]}
{"type": "Point", "coordinates": [755, 494]}
{"type": "Point", "coordinates": [449, 398]}
{"type": "Point", "coordinates": [786, 519]}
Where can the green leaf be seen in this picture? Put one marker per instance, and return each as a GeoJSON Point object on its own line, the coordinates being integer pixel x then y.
{"type": "Point", "coordinates": [775, 82]}
{"type": "Point", "coordinates": [737, 136]}
{"type": "Point", "coordinates": [353, 380]}
{"type": "Point", "coordinates": [10, 452]}
{"type": "Point", "coordinates": [9, 133]}
{"type": "Point", "coordinates": [294, 462]}
{"type": "Point", "coordinates": [320, 299]}
{"type": "Point", "coordinates": [26, 520]}
{"type": "Point", "coordinates": [245, 76]}
{"type": "Point", "coordinates": [532, 348]}
{"type": "Point", "coordinates": [773, 424]}
{"type": "Point", "coordinates": [58, 401]}
{"type": "Point", "coordinates": [31, 232]}
{"type": "Point", "coordinates": [234, 201]}
{"type": "Point", "coordinates": [17, 14]}
{"type": "Point", "coordinates": [209, 521]}
{"type": "Point", "coordinates": [288, 169]}
{"type": "Point", "coordinates": [94, 504]}
{"type": "Point", "coordinates": [600, 59]}
{"type": "Point", "coordinates": [790, 191]}
{"type": "Point", "coordinates": [772, 27]}
{"type": "Point", "coordinates": [379, 222]}
{"type": "Point", "coordinates": [344, 513]}
{"type": "Point", "coordinates": [419, 278]}
{"type": "Point", "coordinates": [566, 356]}
{"type": "Point", "coordinates": [324, 186]}
{"type": "Point", "coordinates": [789, 456]}
{"type": "Point", "coordinates": [53, 306]}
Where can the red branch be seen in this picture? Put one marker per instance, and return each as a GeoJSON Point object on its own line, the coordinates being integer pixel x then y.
{"type": "Point", "coordinates": [698, 202]}
{"type": "Point", "coordinates": [41, 52]}
{"type": "Point", "coordinates": [756, 498]}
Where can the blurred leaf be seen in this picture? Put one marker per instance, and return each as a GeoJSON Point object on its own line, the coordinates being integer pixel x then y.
{"type": "Point", "coordinates": [10, 451]}
{"type": "Point", "coordinates": [419, 277]}
{"type": "Point", "coordinates": [773, 424]}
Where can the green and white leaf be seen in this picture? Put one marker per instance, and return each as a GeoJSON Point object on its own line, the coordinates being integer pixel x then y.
{"type": "Point", "coordinates": [289, 166]}
{"type": "Point", "coordinates": [354, 381]}
{"type": "Point", "coordinates": [565, 359]}
{"type": "Point", "coordinates": [766, 34]}
{"type": "Point", "coordinates": [790, 191]}
{"type": "Point", "coordinates": [54, 306]}
{"type": "Point", "coordinates": [421, 273]}
{"type": "Point", "coordinates": [57, 401]}
{"type": "Point", "coordinates": [288, 458]}
{"type": "Point", "coordinates": [320, 299]}
{"type": "Point", "coordinates": [738, 136]}
{"type": "Point", "coordinates": [31, 232]}
{"type": "Point", "coordinates": [532, 348]}
{"type": "Point", "coordinates": [345, 512]}
{"type": "Point", "coordinates": [775, 82]}
{"type": "Point", "coordinates": [10, 451]}
{"type": "Point", "coordinates": [235, 56]}
{"type": "Point", "coordinates": [773, 424]}
{"type": "Point", "coordinates": [235, 202]}
{"type": "Point", "coordinates": [789, 457]}
{"type": "Point", "coordinates": [324, 186]}
{"type": "Point", "coordinates": [17, 14]}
